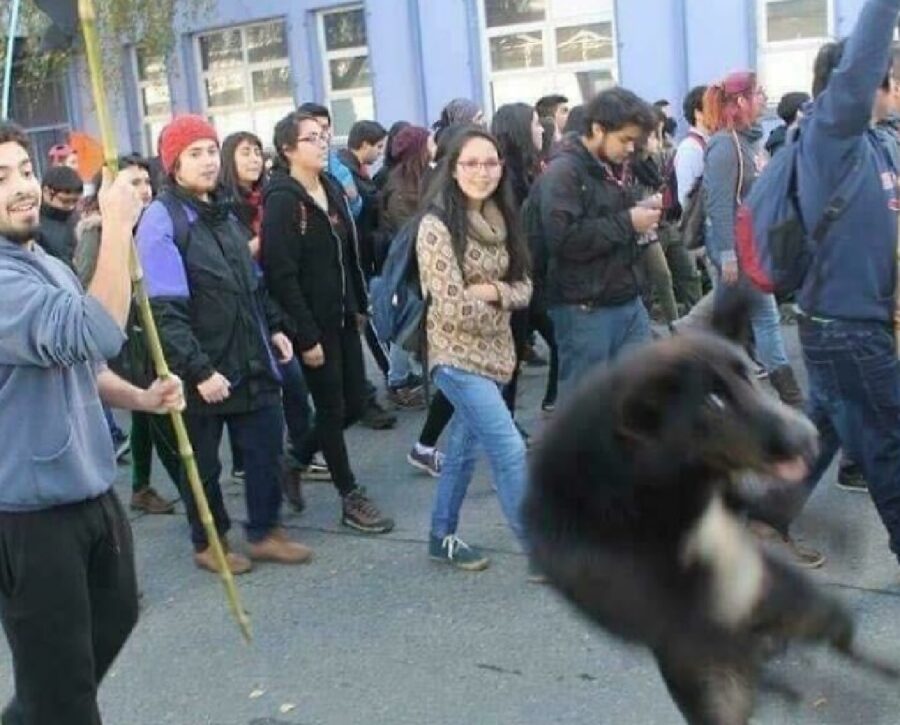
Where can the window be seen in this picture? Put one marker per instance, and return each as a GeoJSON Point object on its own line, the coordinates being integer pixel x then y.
{"type": "Point", "coordinates": [154, 98]}
{"type": "Point", "coordinates": [40, 108]}
{"type": "Point", "coordinates": [348, 75]}
{"type": "Point", "coordinates": [245, 78]}
{"type": "Point", "coordinates": [536, 47]}
{"type": "Point", "coordinates": [790, 35]}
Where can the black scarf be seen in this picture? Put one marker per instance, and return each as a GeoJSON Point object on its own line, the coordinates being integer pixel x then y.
{"type": "Point", "coordinates": [210, 212]}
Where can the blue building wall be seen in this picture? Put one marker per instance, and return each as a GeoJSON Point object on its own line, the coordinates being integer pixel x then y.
{"type": "Point", "coordinates": [425, 52]}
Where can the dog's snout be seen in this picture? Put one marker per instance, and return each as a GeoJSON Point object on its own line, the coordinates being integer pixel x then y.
{"type": "Point", "coordinates": [791, 434]}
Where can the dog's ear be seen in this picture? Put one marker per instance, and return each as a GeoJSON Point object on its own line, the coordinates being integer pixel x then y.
{"type": "Point", "coordinates": [731, 311]}
{"type": "Point", "coordinates": [669, 397]}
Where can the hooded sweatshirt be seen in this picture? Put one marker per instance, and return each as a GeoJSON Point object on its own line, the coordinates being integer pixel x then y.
{"type": "Point", "coordinates": [56, 444]}
{"type": "Point", "coordinates": [853, 276]}
{"type": "Point", "coordinates": [310, 258]}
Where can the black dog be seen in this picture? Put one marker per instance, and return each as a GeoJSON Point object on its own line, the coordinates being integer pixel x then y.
{"type": "Point", "coordinates": [630, 514]}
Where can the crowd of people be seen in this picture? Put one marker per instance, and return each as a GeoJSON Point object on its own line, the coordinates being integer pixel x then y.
{"type": "Point", "coordinates": [571, 224]}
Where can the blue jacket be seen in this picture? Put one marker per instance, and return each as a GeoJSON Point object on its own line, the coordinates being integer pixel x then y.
{"type": "Point", "coordinates": [853, 276]}
{"type": "Point", "coordinates": [56, 444]}
{"type": "Point", "coordinates": [344, 177]}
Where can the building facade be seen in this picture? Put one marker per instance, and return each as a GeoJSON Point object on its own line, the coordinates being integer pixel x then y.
{"type": "Point", "coordinates": [247, 62]}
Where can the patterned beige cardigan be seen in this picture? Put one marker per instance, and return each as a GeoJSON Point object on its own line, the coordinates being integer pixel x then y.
{"type": "Point", "coordinates": [464, 332]}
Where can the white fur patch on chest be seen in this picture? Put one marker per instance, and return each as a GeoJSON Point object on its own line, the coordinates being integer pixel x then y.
{"type": "Point", "coordinates": [719, 542]}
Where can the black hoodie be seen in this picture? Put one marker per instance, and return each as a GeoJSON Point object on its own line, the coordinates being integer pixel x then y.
{"type": "Point", "coordinates": [57, 233]}
{"type": "Point", "coordinates": [311, 259]}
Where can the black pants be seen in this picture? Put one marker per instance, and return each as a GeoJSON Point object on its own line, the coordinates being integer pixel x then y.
{"type": "Point", "coordinates": [440, 411]}
{"type": "Point", "coordinates": [338, 390]}
{"type": "Point", "coordinates": [258, 435]}
{"type": "Point", "coordinates": [68, 601]}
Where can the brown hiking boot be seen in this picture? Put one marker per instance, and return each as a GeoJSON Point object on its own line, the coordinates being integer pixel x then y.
{"type": "Point", "coordinates": [292, 487]}
{"type": "Point", "coordinates": [237, 563]}
{"type": "Point", "coordinates": [803, 556]}
{"type": "Point", "coordinates": [150, 502]}
{"type": "Point", "coordinates": [277, 547]}
{"type": "Point", "coordinates": [360, 513]}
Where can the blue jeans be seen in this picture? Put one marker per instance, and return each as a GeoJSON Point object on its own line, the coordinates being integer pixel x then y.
{"type": "Point", "coordinates": [765, 319]}
{"type": "Point", "coordinates": [480, 417]}
{"type": "Point", "coordinates": [589, 336]}
{"type": "Point", "coordinates": [400, 368]}
{"type": "Point", "coordinates": [297, 415]}
{"type": "Point", "coordinates": [258, 435]}
{"type": "Point", "coordinates": [854, 378]}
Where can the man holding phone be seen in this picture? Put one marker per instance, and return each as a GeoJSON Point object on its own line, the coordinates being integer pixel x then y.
{"type": "Point", "coordinates": [593, 230]}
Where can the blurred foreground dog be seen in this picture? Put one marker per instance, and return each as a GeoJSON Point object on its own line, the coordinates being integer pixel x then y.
{"type": "Point", "coordinates": [631, 515]}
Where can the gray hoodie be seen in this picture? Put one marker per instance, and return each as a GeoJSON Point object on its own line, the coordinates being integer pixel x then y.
{"type": "Point", "coordinates": [53, 338]}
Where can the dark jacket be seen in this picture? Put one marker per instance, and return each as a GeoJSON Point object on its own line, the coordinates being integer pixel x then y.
{"type": "Point", "coordinates": [367, 223]}
{"type": "Point", "coordinates": [591, 242]}
{"type": "Point", "coordinates": [57, 233]}
{"type": "Point", "coordinates": [854, 272]}
{"type": "Point", "coordinates": [208, 304]}
{"type": "Point", "coordinates": [303, 260]}
{"type": "Point", "coordinates": [399, 201]}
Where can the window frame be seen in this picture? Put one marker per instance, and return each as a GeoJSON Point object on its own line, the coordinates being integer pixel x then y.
{"type": "Point", "coordinates": [549, 28]}
{"type": "Point", "coordinates": [764, 45]}
{"type": "Point", "coordinates": [148, 145]}
{"type": "Point", "coordinates": [327, 56]}
{"type": "Point", "coordinates": [247, 68]}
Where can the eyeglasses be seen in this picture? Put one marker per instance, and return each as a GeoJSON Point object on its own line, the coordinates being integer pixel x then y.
{"type": "Point", "coordinates": [314, 139]}
{"type": "Point", "coordinates": [492, 167]}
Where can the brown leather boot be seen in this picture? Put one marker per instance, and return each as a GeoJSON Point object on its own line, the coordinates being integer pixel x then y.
{"type": "Point", "coordinates": [786, 386]}
{"type": "Point", "coordinates": [150, 502]}
{"type": "Point", "coordinates": [237, 563]}
{"type": "Point", "coordinates": [277, 547]}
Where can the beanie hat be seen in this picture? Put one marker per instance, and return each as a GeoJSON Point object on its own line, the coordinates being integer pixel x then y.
{"type": "Point", "coordinates": [180, 133]}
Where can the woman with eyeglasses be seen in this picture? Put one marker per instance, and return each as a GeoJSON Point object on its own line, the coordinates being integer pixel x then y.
{"type": "Point", "coordinates": [731, 110]}
{"type": "Point", "coordinates": [474, 267]}
{"type": "Point", "coordinates": [241, 180]}
{"type": "Point", "coordinates": [310, 260]}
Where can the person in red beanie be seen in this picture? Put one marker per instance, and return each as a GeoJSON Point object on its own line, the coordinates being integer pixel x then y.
{"type": "Point", "coordinates": [213, 324]}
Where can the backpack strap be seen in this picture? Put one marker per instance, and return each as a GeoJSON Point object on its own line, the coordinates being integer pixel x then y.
{"type": "Point", "coordinates": [837, 203]}
{"type": "Point", "coordinates": [181, 225]}
{"type": "Point", "coordinates": [698, 138]}
{"type": "Point", "coordinates": [740, 158]}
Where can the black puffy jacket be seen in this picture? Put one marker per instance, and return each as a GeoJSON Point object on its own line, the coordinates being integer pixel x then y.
{"type": "Point", "coordinates": [590, 240]}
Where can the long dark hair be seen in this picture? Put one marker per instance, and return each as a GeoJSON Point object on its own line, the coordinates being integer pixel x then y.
{"type": "Point", "coordinates": [389, 158]}
{"type": "Point", "coordinates": [444, 192]}
{"type": "Point", "coordinates": [512, 129]}
{"type": "Point", "coordinates": [411, 155]}
{"type": "Point", "coordinates": [235, 192]}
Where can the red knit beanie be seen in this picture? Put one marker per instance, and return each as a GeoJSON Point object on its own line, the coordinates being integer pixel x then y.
{"type": "Point", "coordinates": [180, 133]}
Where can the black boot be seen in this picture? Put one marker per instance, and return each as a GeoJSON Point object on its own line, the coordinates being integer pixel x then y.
{"type": "Point", "coordinates": [785, 385]}
{"type": "Point", "coordinates": [292, 487]}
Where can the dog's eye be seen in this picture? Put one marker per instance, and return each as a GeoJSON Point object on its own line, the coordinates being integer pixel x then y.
{"type": "Point", "coordinates": [716, 402]}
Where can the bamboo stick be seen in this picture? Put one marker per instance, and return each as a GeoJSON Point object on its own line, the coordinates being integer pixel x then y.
{"type": "Point", "coordinates": [92, 48]}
